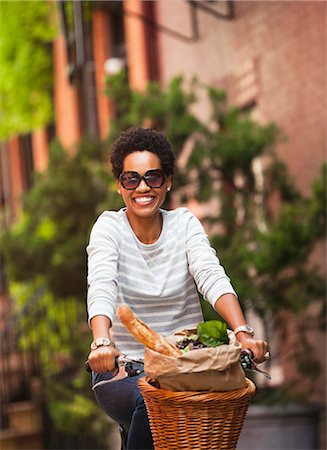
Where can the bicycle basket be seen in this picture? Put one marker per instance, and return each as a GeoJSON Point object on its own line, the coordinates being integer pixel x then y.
{"type": "Point", "coordinates": [195, 420]}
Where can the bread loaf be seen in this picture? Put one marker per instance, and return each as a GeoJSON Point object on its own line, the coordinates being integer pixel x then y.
{"type": "Point", "coordinates": [144, 334]}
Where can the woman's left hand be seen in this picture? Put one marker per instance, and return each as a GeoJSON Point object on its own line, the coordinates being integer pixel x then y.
{"type": "Point", "coordinates": [260, 349]}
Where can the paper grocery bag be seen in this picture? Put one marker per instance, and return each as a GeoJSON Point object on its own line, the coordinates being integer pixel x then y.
{"type": "Point", "coordinates": [206, 369]}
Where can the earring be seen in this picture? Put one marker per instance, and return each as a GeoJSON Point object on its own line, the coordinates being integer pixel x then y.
{"type": "Point", "coordinates": [168, 189]}
{"type": "Point", "coordinates": [119, 192]}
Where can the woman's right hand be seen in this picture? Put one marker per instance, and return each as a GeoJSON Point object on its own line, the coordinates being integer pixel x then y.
{"type": "Point", "coordinates": [103, 359]}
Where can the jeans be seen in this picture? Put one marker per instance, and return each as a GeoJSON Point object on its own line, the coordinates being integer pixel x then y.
{"type": "Point", "coordinates": [123, 402]}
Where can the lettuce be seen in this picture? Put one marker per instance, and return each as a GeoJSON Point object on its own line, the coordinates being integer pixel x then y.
{"type": "Point", "coordinates": [213, 333]}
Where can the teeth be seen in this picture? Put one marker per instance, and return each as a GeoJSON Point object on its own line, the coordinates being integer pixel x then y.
{"type": "Point", "coordinates": [143, 199]}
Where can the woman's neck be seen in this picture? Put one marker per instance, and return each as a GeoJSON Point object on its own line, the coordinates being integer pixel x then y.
{"type": "Point", "coordinates": [146, 229]}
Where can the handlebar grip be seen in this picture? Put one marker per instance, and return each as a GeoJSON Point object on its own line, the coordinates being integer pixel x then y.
{"type": "Point", "coordinates": [248, 352]}
{"type": "Point", "coordinates": [88, 368]}
{"type": "Point", "coordinates": [248, 363]}
{"type": "Point", "coordinates": [247, 358]}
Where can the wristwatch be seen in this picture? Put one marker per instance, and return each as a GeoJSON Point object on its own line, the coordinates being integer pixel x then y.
{"type": "Point", "coordinates": [102, 342]}
{"type": "Point", "coordinates": [245, 328]}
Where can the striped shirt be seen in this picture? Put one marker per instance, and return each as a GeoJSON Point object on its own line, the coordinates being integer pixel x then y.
{"type": "Point", "coordinates": [158, 281]}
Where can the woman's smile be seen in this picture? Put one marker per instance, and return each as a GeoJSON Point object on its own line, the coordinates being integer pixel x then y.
{"type": "Point", "coordinates": [144, 201]}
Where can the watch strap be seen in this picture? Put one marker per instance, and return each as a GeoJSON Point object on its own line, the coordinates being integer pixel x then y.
{"type": "Point", "coordinates": [245, 328]}
{"type": "Point", "coordinates": [102, 342]}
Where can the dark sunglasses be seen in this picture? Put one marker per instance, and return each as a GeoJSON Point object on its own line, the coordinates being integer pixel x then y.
{"type": "Point", "coordinates": [154, 178]}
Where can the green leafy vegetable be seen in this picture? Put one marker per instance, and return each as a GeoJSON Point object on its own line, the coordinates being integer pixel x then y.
{"type": "Point", "coordinates": [213, 333]}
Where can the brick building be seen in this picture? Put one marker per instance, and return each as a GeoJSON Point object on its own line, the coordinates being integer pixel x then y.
{"type": "Point", "coordinates": [271, 54]}
{"type": "Point", "coordinates": [267, 54]}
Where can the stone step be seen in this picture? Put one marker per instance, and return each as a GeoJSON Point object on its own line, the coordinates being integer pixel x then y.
{"type": "Point", "coordinates": [12, 439]}
{"type": "Point", "coordinates": [23, 416]}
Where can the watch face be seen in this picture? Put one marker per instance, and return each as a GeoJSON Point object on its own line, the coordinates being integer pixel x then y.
{"type": "Point", "coordinates": [249, 330]}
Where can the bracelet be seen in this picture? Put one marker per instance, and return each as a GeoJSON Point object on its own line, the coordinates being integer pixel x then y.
{"type": "Point", "coordinates": [245, 328]}
{"type": "Point", "coordinates": [102, 342]}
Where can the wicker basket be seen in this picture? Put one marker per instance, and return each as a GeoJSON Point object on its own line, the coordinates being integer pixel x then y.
{"type": "Point", "coordinates": [196, 420]}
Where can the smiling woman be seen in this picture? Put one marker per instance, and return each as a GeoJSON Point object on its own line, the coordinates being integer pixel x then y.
{"type": "Point", "coordinates": [155, 262]}
{"type": "Point", "coordinates": [144, 193]}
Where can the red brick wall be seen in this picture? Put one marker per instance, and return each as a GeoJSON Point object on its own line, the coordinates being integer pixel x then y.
{"type": "Point", "coordinates": [65, 99]}
{"type": "Point", "coordinates": [101, 52]}
{"type": "Point", "coordinates": [286, 41]}
{"type": "Point", "coordinates": [16, 176]}
{"type": "Point", "coordinates": [40, 149]}
{"type": "Point", "coordinates": [136, 44]}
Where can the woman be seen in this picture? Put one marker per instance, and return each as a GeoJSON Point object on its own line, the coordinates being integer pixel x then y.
{"type": "Point", "coordinates": [155, 261]}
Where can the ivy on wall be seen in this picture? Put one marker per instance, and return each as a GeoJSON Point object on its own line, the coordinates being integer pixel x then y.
{"type": "Point", "coordinates": [27, 29]}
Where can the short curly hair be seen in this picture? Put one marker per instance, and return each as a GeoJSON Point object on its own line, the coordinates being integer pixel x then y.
{"type": "Point", "coordinates": [141, 139]}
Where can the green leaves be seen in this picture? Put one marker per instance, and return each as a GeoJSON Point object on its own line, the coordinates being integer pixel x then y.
{"type": "Point", "coordinates": [287, 242]}
{"type": "Point", "coordinates": [318, 203]}
{"type": "Point", "coordinates": [229, 160]}
{"type": "Point", "coordinates": [49, 238]}
{"type": "Point", "coordinates": [45, 258]}
{"type": "Point", "coordinates": [212, 333]}
{"type": "Point", "coordinates": [26, 32]}
{"type": "Point", "coordinates": [168, 110]}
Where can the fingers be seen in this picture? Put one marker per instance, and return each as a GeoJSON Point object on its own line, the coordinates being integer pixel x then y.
{"type": "Point", "coordinates": [259, 348]}
{"type": "Point", "coordinates": [267, 356]}
{"type": "Point", "coordinates": [103, 359]}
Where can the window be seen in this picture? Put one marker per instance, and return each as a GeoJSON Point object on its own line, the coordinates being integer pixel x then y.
{"type": "Point", "coordinates": [26, 158]}
{"type": "Point", "coordinates": [245, 86]}
{"type": "Point", "coordinates": [116, 25]}
{"type": "Point", "coordinates": [5, 187]}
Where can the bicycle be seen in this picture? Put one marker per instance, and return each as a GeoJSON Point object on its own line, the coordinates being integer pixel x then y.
{"type": "Point", "coordinates": [150, 389]}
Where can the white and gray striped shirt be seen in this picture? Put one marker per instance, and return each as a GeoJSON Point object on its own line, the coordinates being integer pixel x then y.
{"type": "Point", "coordinates": [157, 281]}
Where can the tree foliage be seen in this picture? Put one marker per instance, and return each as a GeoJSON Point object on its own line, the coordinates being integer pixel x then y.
{"type": "Point", "coordinates": [168, 110]}
{"type": "Point", "coordinates": [45, 256]}
{"type": "Point", "coordinates": [266, 249]}
{"type": "Point", "coordinates": [264, 229]}
{"type": "Point", "coordinates": [26, 32]}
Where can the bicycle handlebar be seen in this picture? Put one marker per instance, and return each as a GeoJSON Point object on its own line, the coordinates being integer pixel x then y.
{"type": "Point", "coordinates": [246, 360]}
{"type": "Point", "coordinates": [248, 363]}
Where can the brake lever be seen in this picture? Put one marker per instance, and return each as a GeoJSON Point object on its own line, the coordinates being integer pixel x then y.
{"type": "Point", "coordinates": [248, 364]}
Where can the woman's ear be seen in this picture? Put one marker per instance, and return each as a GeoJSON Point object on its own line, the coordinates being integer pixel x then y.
{"type": "Point", "coordinates": [169, 183]}
{"type": "Point", "coordinates": [118, 187]}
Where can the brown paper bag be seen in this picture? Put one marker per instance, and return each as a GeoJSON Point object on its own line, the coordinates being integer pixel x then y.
{"type": "Point", "coordinates": [206, 369]}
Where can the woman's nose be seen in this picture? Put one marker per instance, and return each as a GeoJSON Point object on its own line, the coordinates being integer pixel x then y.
{"type": "Point", "coordinates": [143, 187]}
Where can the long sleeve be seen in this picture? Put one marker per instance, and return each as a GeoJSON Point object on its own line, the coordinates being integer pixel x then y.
{"type": "Point", "coordinates": [102, 268]}
{"type": "Point", "coordinates": [210, 277]}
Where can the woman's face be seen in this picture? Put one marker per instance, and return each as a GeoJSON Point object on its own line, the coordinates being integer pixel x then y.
{"type": "Point", "coordinates": [143, 201]}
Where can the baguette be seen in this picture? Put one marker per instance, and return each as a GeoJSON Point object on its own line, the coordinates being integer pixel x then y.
{"type": "Point", "coordinates": [144, 334]}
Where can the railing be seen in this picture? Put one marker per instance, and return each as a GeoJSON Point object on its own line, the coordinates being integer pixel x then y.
{"type": "Point", "coordinates": [25, 422]}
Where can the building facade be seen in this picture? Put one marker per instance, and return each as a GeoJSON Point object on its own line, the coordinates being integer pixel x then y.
{"type": "Point", "coordinates": [267, 54]}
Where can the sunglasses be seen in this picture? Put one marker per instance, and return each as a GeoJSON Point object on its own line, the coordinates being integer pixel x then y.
{"type": "Point", "coordinates": [130, 180]}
